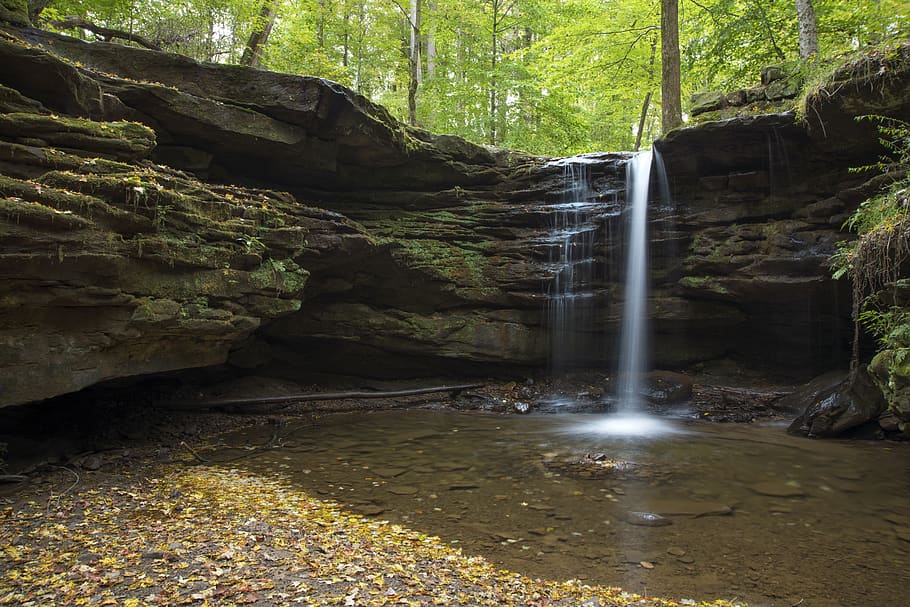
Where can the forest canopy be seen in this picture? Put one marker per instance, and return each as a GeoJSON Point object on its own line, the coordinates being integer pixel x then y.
{"type": "Point", "coordinates": [545, 76]}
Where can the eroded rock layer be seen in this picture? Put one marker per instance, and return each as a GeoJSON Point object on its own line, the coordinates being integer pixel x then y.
{"type": "Point", "coordinates": [126, 249]}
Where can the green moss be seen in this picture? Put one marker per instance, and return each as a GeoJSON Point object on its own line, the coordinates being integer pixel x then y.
{"type": "Point", "coordinates": [15, 12]}
{"type": "Point", "coordinates": [448, 262]}
{"type": "Point", "coordinates": [862, 68]}
{"type": "Point", "coordinates": [704, 283]}
{"type": "Point", "coordinates": [37, 215]}
{"type": "Point", "coordinates": [891, 371]}
{"type": "Point", "coordinates": [282, 276]}
{"type": "Point", "coordinates": [128, 139]}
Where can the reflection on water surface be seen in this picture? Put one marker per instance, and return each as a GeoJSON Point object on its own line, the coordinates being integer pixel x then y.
{"type": "Point", "coordinates": [711, 511]}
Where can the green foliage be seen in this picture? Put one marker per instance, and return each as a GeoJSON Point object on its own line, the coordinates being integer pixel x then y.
{"type": "Point", "coordinates": [544, 76]}
{"type": "Point", "coordinates": [875, 260]}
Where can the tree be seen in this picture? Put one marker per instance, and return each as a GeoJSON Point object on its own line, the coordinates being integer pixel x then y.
{"type": "Point", "coordinates": [252, 53]}
{"type": "Point", "coordinates": [670, 97]}
{"type": "Point", "coordinates": [414, 73]}
{"type": "Point", "coordinates": [808, 29]}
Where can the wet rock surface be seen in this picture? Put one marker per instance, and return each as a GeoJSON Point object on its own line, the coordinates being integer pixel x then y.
{"type": "Point", "coordinates": [835, 408]}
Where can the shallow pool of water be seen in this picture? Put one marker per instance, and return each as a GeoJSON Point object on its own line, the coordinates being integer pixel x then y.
{"type": "Point", "coordinates": [698, 510]}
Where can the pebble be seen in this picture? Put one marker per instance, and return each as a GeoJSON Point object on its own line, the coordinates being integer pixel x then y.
{"type": "Point", "coordinates": [676, 551]}
{"type": "Point", "coordinates": [402, 489]}
{"type": "Point", "coordinates": [372, 510]}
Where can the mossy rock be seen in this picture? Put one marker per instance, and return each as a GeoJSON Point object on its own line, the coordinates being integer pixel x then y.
{"type": "Point", "coordinates": [891, 371]}
{"type": "Point", "coordinates": [706, 102]}
{"type": "Point", "coordinates": [12, 100]}
{"type": "Point", "coordinates": [122, 140]}
{"type": "Point", "coordinates": [15, 12]}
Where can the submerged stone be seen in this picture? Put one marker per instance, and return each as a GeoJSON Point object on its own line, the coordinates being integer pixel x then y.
{"type": "Point", "coordinates": [777, 489]}
{"type": "Point", "coordinates": [646, 519]}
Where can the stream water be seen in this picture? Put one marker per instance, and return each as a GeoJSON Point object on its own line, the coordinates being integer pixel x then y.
{"type": "Point", "coordinates": [745, 511]}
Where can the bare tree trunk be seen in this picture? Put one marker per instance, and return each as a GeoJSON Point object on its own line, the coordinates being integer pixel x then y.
{"type": "Point", "coordinates": [641, 121]}
{"type": "Point", "coordinates": [494, 59]}
{"type": "Point", "coordinates": [414, 75]}
{"type": "Point", "coordinates": [252, 53]}
{"type": "Point", "coordinates": [361, 34]}
{"type": "Point", "coordinates": [431, 42]}
{"type": "Point", "coordinates": [346, 50]}
{"type": "Point", "coordinates": [671, 103]}
{"type": "Point", "coordinates": [320, 25]}
{"type": "Point", "coordinates": [808, 29]}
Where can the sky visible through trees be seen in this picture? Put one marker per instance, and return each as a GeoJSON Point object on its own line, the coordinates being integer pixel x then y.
{"type": "Point", "coordinates": [545, 76]}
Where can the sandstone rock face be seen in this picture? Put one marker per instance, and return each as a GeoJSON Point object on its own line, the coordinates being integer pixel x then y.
{"type": "Point", "coordinates": [128, 251]}
{"type": "Point", "coordinates": [222, 121]}
{"type": "Point", "coordinates": [113, 266]}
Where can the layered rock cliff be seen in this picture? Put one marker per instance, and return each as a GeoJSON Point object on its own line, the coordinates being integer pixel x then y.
{"type": "Point", "coordinates": [140, 231]}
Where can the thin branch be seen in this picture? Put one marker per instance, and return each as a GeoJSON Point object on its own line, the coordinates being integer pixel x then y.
{"type": "Point", "coordinates": [193, 452]}
{"type": "Point", "coordinates": [108, 33]}
{"type": "Point", "coordinates": [57, 498]}
{"type": "Point", "coordinates": [405, 13]}
{"type": "Point", "coordinates": [646, 28]}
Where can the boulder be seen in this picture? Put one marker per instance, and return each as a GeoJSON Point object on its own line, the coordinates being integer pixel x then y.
{"type": "Point", "coordinates": [834, 409]}
{"type": "Point", "coordinates": [890, 369]}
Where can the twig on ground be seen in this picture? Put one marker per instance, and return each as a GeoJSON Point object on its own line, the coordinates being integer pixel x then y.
{"type": "Point", "coordinates": [193, 452]}
{"type": "Point", "coordinates": [57, 498]}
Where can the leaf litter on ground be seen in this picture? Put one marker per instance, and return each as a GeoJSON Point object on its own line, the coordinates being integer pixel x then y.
{"type": "Point", "coordinates": [206, 536]}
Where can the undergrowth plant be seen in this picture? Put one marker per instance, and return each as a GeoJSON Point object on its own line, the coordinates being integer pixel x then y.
{"type": "Point", "coordinates": [876, 261]}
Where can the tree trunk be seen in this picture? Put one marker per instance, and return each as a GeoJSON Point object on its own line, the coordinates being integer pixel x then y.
{"type": "Point", "coordinates": [808, 29]}
{"type": "Point", "coordinates": [413, 61]}
{"type": "Point", "coordinates": [320, 25]}
{"type": "Point", "coordinates": [641, 121]}
{"type": "Point", "coordinates": [494, 58]}
{"type": "Point", "coordinates": [671, 103]}
{"type": "Point", "coordinates": [252, 53]}
{"type": "Point", "coordinates": [431, 42]}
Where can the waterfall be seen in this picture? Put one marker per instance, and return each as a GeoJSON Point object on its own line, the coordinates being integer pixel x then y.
{"type": "Point", "coordinates": [633, 345]}
{"type": "Point", "coordinates": [571, 237]}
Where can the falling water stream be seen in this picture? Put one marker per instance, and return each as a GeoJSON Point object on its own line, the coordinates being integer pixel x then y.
{"type": "Point", "coordinates": [572, 240]}
{"type": "Point", "coordinates": [633, 345]}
